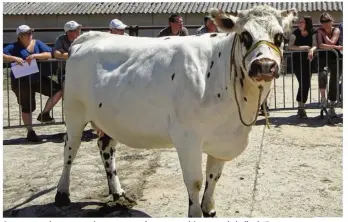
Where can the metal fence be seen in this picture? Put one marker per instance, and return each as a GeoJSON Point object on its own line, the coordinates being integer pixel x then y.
{"type": "Point", "coordinates": [283, 92]}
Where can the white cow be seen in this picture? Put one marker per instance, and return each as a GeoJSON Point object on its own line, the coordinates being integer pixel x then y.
{"type": "Point", "coordinates": [199, 94]}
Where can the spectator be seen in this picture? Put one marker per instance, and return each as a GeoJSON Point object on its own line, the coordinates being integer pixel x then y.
{"type": "Point", "coordinates": [208, 26]}
{"type": "Point", "coordinates": [328, 39]}
{"type": "Point", "coordinates": [175, 27]}
{"type": "Point", "coordinates": [117, 27]}
{"type": "Point", "coordinates": [25, 49]}
{"type": "Point", "coordinates": [61, 47]}
{"type": "Point", "coordinates": [302, 39]}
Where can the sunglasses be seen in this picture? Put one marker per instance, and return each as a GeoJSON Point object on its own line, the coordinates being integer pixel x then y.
{"type": "Point", "coordinates": [325, 21]}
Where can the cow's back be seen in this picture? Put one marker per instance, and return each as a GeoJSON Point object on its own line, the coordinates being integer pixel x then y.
{"type": "Point", "coordinates": [145, 84]}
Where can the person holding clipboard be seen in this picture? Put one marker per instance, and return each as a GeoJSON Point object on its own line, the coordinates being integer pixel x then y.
{"type": "Point", "coordinates": [25, 50]}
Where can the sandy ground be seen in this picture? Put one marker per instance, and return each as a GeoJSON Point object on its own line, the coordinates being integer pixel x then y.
{"type": "Point", "coordinates": [293, 169]}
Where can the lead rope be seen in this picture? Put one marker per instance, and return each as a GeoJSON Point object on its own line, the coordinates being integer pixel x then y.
{"type": "Point", "coordinates": [259, 100]}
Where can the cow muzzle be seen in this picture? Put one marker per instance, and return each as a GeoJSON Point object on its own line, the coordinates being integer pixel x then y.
{"type": "Point", "coordinates": [264, 69]}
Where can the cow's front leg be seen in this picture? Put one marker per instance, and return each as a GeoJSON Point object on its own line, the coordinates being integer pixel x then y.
{"type": "Point", "coordinates": [189, 148]}
{"type": "Point", "coordinates": [107, 152]}
{"type": "Point", "coordinates": [213, 173]}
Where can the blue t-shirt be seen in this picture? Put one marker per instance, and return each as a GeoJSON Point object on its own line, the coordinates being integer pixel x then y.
{"type": "Point", "coordinates": [16, 49]}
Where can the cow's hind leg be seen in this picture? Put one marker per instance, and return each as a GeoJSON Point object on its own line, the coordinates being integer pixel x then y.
{"type": "Point", "coordinates": [75, 123]}
{"type": "Point", "coordinates": [107, 152]}
{"type": "Point", "coordinates": [213, 173]}
{"type": "Point", "coordinates": [189, 148]}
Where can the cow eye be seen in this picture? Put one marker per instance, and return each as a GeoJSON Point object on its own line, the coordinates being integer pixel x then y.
{"type": "Point", "coordinates": [246, 39]}
{"type": "Point", "coordinates": [278, 39]}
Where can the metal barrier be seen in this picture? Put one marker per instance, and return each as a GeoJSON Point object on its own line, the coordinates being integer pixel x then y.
{"type": "Point", "coordinates": [48, 68]}
{"type": "Point", "coordinates": [321, 62]}
{"type": "Point", "coordinates": [48, 71]}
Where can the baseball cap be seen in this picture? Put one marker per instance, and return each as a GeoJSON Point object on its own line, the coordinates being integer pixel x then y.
{"type": "Point", "coordinates": [71, 26]}
{"type": "Point", "coordinates": [117, 24]}
{"type": "Point", "coordinates": [23, 29]}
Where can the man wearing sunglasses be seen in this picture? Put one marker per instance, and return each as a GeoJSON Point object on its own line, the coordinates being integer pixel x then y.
{"type": "Point", "coordinates": [176, 27]}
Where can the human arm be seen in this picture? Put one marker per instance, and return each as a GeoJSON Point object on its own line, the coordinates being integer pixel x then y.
{"type": "Point", "coordinates": [313, 48]}
{"type": "Point", "coordinates": [322, 40]}
{"type": "Point", "coordinates": [45, 52]}
{"type": "Point", "coordinates": [58, 51]}
{"type": "Point", "coordinates": [8, 57]}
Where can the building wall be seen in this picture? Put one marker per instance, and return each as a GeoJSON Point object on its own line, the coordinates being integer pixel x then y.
{"type": "Point", "coordinates": [54, 21]}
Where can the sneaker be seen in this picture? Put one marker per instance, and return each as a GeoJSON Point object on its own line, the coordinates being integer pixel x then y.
{"type": "Point", "coordinates": [302, 114]}
{"type": "Point", "coordinates": [332, 112]}
{"type": "Point", "coordinates": [323, 102]}
{"type": "Point", "coordinates": [32, 137]}
{"type": "Point", "coordinates": [45, 118]}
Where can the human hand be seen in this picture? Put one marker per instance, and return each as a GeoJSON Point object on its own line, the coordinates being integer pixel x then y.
{"type": "Point", "coordinates": [19, 61]}
{"type": "Point", "coordinates": [29, 58]}
{"type": "Point", "coordinates": [310, 54]}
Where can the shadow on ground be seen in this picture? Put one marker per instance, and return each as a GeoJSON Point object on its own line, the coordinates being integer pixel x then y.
{"type": "Point", "coordinates": [293, 120]}
{"type": "Point", "coordinates": [87, 136]}
{"type": "Point", "coordinates": [75, 209]}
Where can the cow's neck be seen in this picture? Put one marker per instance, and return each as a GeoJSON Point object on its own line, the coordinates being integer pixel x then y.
{"type": "Point", "coordinates": [247, 93]}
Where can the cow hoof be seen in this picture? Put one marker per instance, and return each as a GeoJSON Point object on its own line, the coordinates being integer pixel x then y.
{"type": "Point", "coordinates": [62, 199]}
{"type": "Point", "coordinates": [117, 196]}
{"type": "Point", "coordinates": [211, 214]}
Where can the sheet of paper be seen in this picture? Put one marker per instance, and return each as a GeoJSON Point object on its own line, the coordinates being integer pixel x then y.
{"type": "Point", "coordinates": [25, 70]}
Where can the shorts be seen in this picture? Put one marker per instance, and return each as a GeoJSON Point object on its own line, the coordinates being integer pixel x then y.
{"type": "Point", "coordinates": [25, 92]}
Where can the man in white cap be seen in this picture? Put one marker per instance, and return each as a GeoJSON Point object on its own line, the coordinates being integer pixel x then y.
{"type": "Point", "coordinates": [72, 30]}
{"type": "Point", "coordinates": [117, 27]}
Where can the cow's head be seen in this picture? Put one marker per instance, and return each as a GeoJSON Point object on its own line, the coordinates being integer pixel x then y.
{"type": "Point", "coordinates": [261, 30]}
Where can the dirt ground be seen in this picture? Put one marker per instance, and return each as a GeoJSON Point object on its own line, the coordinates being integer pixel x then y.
{"type": "Point", "coordinates": [293, 169]}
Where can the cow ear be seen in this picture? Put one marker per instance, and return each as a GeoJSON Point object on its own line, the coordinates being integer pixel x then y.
{"type": "Point", "coordinates": [223, 22]}
{"type": "Point", "coordinates": [287, 17]}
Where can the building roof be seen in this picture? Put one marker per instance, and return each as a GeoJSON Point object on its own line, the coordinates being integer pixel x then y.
{"type": "Point", "coordinates": [90, 8]}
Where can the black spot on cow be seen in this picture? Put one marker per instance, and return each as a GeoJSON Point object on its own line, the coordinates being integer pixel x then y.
{"type": "Point", "coordinates": [190, 202]}
{"type": "Point", "coordinates": [101, 153]}
{"type": "Point", "coordinates": [100, 105]}
{"type": "Point", "coordinates": [69, 157]}
{"type": "Point", "coordinates": [105, 141]}
{"type": "Point", "coordinates": [259, 54]}
{"type": "Point", "coordinates": [245, 99]}
{"type": "Point", "coordinates": [212, 63]}
{"type": "Point", "coordinates": [69, 148]}
{"type": "Point", "coordinates": [213, 35]}
{"type": "Point", "coordinates": [109, 175]}
{"type": "Point", "coordinates": [227, 34]}
{"type": "Point", "coordinates": [111, 152]}
{"type": "Point", "coordinates": [211, 176]}
{"type": "Point", "coordinates": [226, 87]}
{"type": "Point", "coordinates": [167, 38]}
{"type": "Point", "coordinates": [114, 172]}
{"type": "Point", "coordinates": [69, 162]}
{"type": "Point", "coordinates": [208, 75]}
{"type": "Point", "coordinates": [219, 95]}
{"type": "Point", "coordinates": [269, 48]}
{"type": "Point", "coordinates": [173, 76]}
{"type": "Point", "coordinates": [106, 156]}
{"type": "Point", "coordinates": [219, 54]}
{"type": "Point", "coordinates": [241, 178]}
{"type": "Point", "coordinates": [107, 165]}
{"type": "Point", "coordinates": [241, 71]}
{"type": "Point", "coordinates": [241, 82]}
